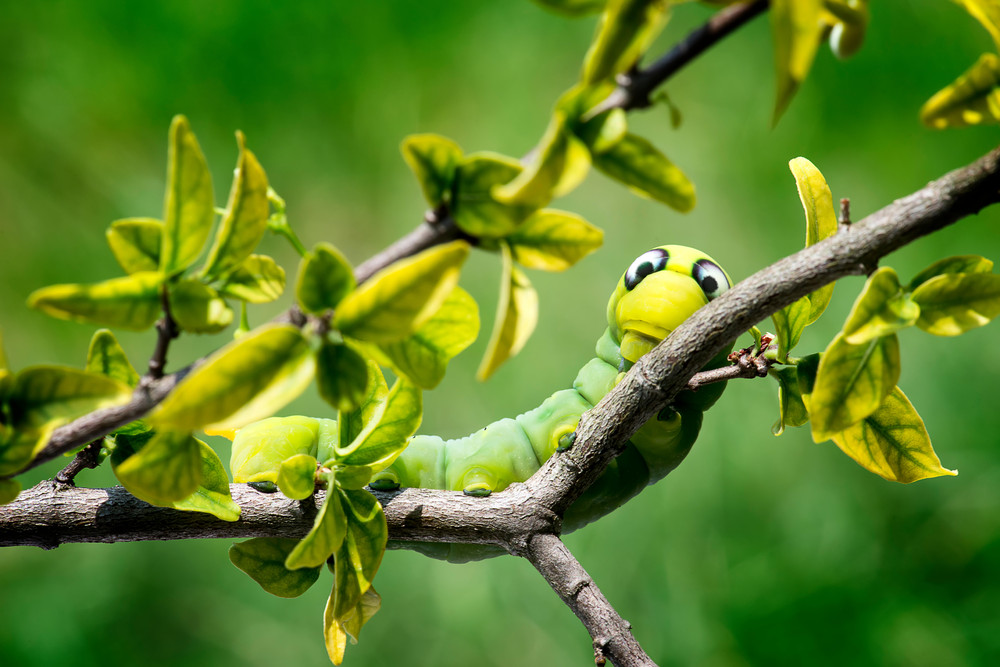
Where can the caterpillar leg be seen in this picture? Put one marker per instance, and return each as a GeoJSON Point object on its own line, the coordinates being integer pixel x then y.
{"type": "Point", "coordinates": [387, 480]}
{"type": "Point", "coordinates": [479, 482]}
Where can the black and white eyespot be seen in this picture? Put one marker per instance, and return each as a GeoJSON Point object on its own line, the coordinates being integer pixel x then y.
{"type": "Point", "coordinates": [710, 277]}
{"type": "Point", "coordinates": [645, 264]}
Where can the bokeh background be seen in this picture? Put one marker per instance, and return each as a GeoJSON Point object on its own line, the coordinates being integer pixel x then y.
{"type": "Point", "coordinates": [757, 551]}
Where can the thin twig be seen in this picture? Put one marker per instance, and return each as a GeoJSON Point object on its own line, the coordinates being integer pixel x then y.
{"type": "Point", "coordinates": [88, 457]}
{"type": "Point", "coordinates": [166, 331]}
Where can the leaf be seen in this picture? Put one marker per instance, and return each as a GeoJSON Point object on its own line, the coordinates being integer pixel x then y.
{"type": "Point", "coordinates": [212, 495]}
{"type": "Point", "coordinates": [573, 8]}
{"type": "Point", "coordinates": [433, 160]}
{"type": "Point", "coordinates": [851, 382]}
{"type": "Point", "coordinates": [132, 302]}
{"type": "Point", "coordinates": [352, 423]}
{"type": "Point", "coordinates": [973, 99]}
{"type": "Point", "coordinates": [106, 357]}
{"type": "Point", "coordinates": [167, 468]}
{"type": "Point", "coordinates": [336, 631]}
{"type": "Point", "coordinates": [626, 31]}
{"type": "Point", "coordinates": [198, 308]}
{"type": "Point", "coordinates": [955, 264]}
{"type": "Point", "coordinates": [517, 315]}
{"type": "Point", "coordinates": [647, 172]}
{"type": "Point", "coordinates": [297, 476]}
{"type": "Point", "coordinates": [245, 381]}
{"type": "Point", "coordinates": [821, 221]}
{"type": "Point", "coordinates": [791, 410]}
{"type": "Point", "coordinates": [367, 534]}
{"type": "Point", "coordinates": [325, 277]}
{"type": "Point", "coordinates": [423, 357]}
{"type": "Point", "coordinates": [893, 443]}
{"type": "Point", "coordinates": [986, 12]}
{"type": "Point", "coordinates": [953, 303]}
{"type": "Point", "coordinates": [806, 372]}
{"type": "Point", "coordinates": [44, 394]}
{"type": "Point", "coordinates": [261, 447]}
{"type": "Point", "coordinates": [135, 243]}
{"type": "Point", "coordinates": [474, 207]}
{"type": "Point", "coordinates": [258, 279]}
{"type": "Point", "coordinates": [385, 436]}
{"type": "Point", "coordinates": [396, 301]}
{"type": "Point", "coordinates": [9, 490]}
{"type": "Point", "coordinates": [188, 209]}
{"type": "Point", "coordinates": [789, 323]}
{"type": "Point", "coordinates": [881, 309]}
{"type": "Point", "coordinates": [263, 559]}
{"type": "Point", "coordinates": [552, 240]}
{"type": "Point", "coordinates": [3, 354]}
{"type": "Point", "coordinates": [850, 23]}
{"type": "Point", "coordinates": [355, 477]}
{"type": "Point", "coordinates": [341, 376]}
{"type": "Point", "coordinates": [325, 537]}
{"type": "Point", "coordinates": [797, 31]}
{"type": "Point", "coordinates": [22, 445]}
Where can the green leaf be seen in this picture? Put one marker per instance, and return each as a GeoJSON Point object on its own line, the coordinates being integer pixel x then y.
{"type": "Point", "coordinates": [189, 206]}
{"type": "Point", "coordinates": [297, 476]}
{"type": "Point", "coordinates": [261, 447]}
{"type": "Point", "coordinates": [821, 221]}
{"type": "Point", "coordinates": [573, 8]}
{"type": "Point", "coordinates": [955, 264]}
{"type": "Point", "coordinates": [9, 490]}
{"type": "Point", "coordinates": [336, 631]}
{"type": "Point", "coordinates": [325, 277]}
{"type": "Point", "coordinates": [132, 302]}
{"type": "Point", "coordinates": [258, 279]}
{"type": "Point", "coordinates": [135, 243]}
{"type": "Point", "coordinates": [626, 31]}
{"type": "Point", "coordinates": [263, 558]}
{"type": "Point", "coordinates": [851, 382]}
{"type": "Point", "coordinates": [953, 303]}
{"type": "Point", "coordinates": [647, 172]}
{"type": "Point", "coordinates": [806, 371]}
{"type": "Point", "coordinates": [365, 542]}
{"type": "Point", "coordinates": [423, 357]}
{"type": "Point", "coordinates": [434, 160]}
{"type": "Point", "coordinates": [881, 309]}
{"type": "Point", "coordinates": [474, 207]}
{"type": "Point", "coordinates": [851, 18]}
{"type": "Point", "coordinates": [245, 381]}
{"type": "Point", "coordinates": [797, 29]}
{"type": "Point", "coordinates": [385, 436]}
{"type": "Point", "coordinates": [325, 537]}
{"type": "Point", "coordinates": [789, 323]}
{"type": "Point", "coordinates": [341, 376]}
{"type": "Point", "coordinates": [22, 445]}
{"type": "Point", "coordinates": [396, 301]}
{"type": "Point", "coordinates": [973, 99]}
{"type": "Point", "coordinates": [44, 394]}
{"type": "Point", "coordinates": [167, 468]}
{"type": "Point", "coordinates": [212, 495]}
{"type": "Point", "coordinates": [355, 477]}
{"type": "Point", "coordinates": [552, 240]}
{"type": "Point", "coordinates": [198, 308]}
{"type": "Point", "coordinates": [893, 443]}
{"type": "Point", "coordinates": [352, 423]}
{"type": "Point", "coordinates": [986, 12]}
{"type": "Point", "coordinates": [603, 132]}
{"type": "Point", "coordinates": [106, 357]}
{"type": "Point", "coordinates": [791, 410]}
{"type": "Point", "coordinates": [517, 315]}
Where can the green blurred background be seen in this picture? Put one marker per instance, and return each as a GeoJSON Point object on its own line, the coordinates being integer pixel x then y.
{"type": "Point", "coordinates": [758, 550]}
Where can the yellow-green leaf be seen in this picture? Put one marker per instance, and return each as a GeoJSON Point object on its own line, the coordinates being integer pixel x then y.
{"type": "Point", "coordinates": [352, 423]}
{"type": "Point", "coordinates": [797, 30]}
{"type": "Point", "coordinates": [212, 495]}
{"type": "Point", "coordinates": [517, 315]}
{"type": "Point", "coordinates": [791, 410]}
{"type": "Point", "coordinates": [789, 322]}
{"type": "Point", "coordinates": [821, 221]}
{"type": "Point", "coordinates": [167, 468]}
{"type": "Point", "coordinates": [433, 159]}
{"type": "Point", "coordinates": [44, 394]}
{"type": "Point", "coordinates": [367, 534]}
{"type": "Point", "coordinates": [22, 445]}
{"type": "Point", "coordinates": [258, 279]}
{"type": "Point", "coordinates": [325, 537]}
{"type": "Point", "coordinates": [396, 301]}
{"type": "Point", "coordinates": [423, 357]}
{"type": "Point", "coordinates": [355, 477]}
{"type": "Point", "coordinates": [245, 221]}
{"type": "Point", "coordinates": [260, 447]}
{"type": "Point", "coordinates": [297, 476]}
{"type": "Point", "coordinates": [385, 436]}
{"type": "Point", "coordinates": [955, 264]}
{"type": "Point", "coordinates": [552, 240]}
{"type": "Point", "coordinates": [325, 277]}
{"type": "Point", "coordinates": [106, 357]}
{"type": "Point", "coordinates": [341, 376]}
{"type": "Point", "coordinates": [9, 490]}
{"type": "Point", "coordinates": [848, 31]}
{"type": "Point", "coordinates": [132, 302]}
{"type": "Point", "coordinates": [953, 303]}
{"type": "Point", "coordinates": [851, 382]}
{"type": "Point", "coordinates": [263, 559]}
{"type": "Point", "coordinates": [573, 7]}
{"type": "Point", "coordinates": [647, 172]}
{"type": "Point", "coordinates": [986, 12]}
{"type": "Point", "coordinates": [245, 381]}
{"type": "Point", "coordinates": [893, 443]}
{"type": "Point", "coordinates": [626, 31]}
{"type": "Point", "coordinates": [973, 99]}
{"type": "Point", "coordinates": [188, 208]}
{"type": "Point", "coordinates": [474, 208]}
{"type": "Point", "coordinates": [882, 308]}
{"type": "Point", "coordinates": [198, 308]}
{"type": "Point", "coordinates": [336, 631]}
{"type": "Point", "coordinates": [135, 243]}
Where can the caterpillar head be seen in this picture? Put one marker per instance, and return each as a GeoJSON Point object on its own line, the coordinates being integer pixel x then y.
{"type": "Point", "coordinates": [662, 288]}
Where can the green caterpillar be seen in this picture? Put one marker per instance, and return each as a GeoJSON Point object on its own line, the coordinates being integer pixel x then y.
{"type": "Point", "coordinates": [660, 289]}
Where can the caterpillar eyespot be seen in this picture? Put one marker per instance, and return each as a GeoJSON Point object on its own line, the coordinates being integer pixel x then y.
{"type": "Point", "coordinates": [645, 264]}
{"type": "Point", "coordinates": [710, 277]}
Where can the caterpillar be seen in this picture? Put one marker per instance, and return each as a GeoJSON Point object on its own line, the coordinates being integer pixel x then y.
{"type": "Point", "coordinates": [661, 288]}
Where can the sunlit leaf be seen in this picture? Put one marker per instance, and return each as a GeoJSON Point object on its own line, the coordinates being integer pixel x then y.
{"type": "Point", "coordinates": [953, 303]}
{"type": "Point", "coordinates": [165, 470]}
{"type": "Point", "coordinates": [552, 240]}
{"type": "Point", "coordinates": [325, 537]}
{"type": "Point", "coordinates": [384, 437]}
{"type": "Point", "coordinates": [955, 264]}
{"type": "Point", "coordinates": [106, 357]}
{"type": "Point", "coordinates": [132, 302]}
{"type": "Point", "coordinates": [212, 495]}
{"type": "Point", "coordinates": [882, 308]}
{"type": "Point", "coordinates": [325, 277]}
{"type": "Point", "coordinates": [297, 476]}
{"type": "Point", "coordinates": [355, 477]}
{"type": "Point", "coordinates": [22, 445]}
{"type": "Point", "coordinates": [396, 301]}
{"type": "Point", "coordinates": [367, 534]}
{"type": "Point", "coordinates": [43, 394]}
{"type": "Point", "coordinates": [797, 30]}
{"type": "Point", "coordinates": [821, 221]}
{"type": "Point", "coordinates": [135, 243]}
{"type": "Point", "coordinates": [789, 323]}
{"type": "Point", "coordinates": [189, 204]}
{"type": "Point", "coordinates": [475, 210]}
{"type": "Point", "coordinates": [791, 410]}
{"type": "Point", "coordinates": [573, 7]}
{"type": "Point", "coordinates": [263, 559]}
{"type": "Point", "coordinates": [433, 159]}
{"type": "Point", "coordinates": [647, 172]}
{"type": "Point", "coordinates": [973, 99]}
{"type": "Point", "coordinates": [260, 448]}
{"type": "Point", "coordinates": [9, 490]}
{"type": "Point", "coordinates": [352, 423]}
{"type": "Point", "coordinates": [336, 631]}
{"type": "Point", "coordinates": [517, 315]}
{"type": "Point", "coordinates": [198, 308]}
{"type": "Point", "coordinates": [986, 12]}
{"type": "Point", "coordinates": [258, 279]}
{"type": "Point", "coordinates": [341, 376]}
{"type": "Point", "coordinates": [626, 31]}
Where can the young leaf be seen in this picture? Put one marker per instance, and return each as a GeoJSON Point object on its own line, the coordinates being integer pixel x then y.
{"type": "Point", "coordinates": [851, 382]}
{"type": "Point", "coordinates": [433, 160]}
{"type": "Point", "coordinates": [325, 277]}
{"type": "Point", "coordinates": [352, 423]}
{"type": "Point", "coordinates": [627, 29]}
{"type": "Point", "coordinates": [44, 394]}
{"type": "Point", "coordinates": [797, 31]}
{"type": "Point", "coordinates": [355, 477]}
{"type": "Point", "coordinates": [198, 308]}
{"type": "Point", "coordinates": [167, 468]}
{"type": "Point", "coordinates": [517, 315]}
{"type": "Point", "coordinates": [258, 279]}
{"type": "Point", "coordinates": [791, 410]}
{"type": "Point", "coordinates": [953, 303]}
{"type": "Point", "coordinates": [212, 495]}
{"type": "Point", "coordinates": [106, 357]}
{"type": "Point", "coordinates": [789, 322]}
{"type": "Point", "coordinates": [263, 559]}
{"type": "Point", "coordinates": [341, 376]}
{"type": "Point", "coordinates": [973, 99]}
{"type": "Point", "coordinates": [336, 631]}
{"type": "Point", "coordinates": [893, 443]}
{"type": "Point", "coordinates": [9, 490]}
{"type": "Point", "coordinates": [647, 172]}
{"type": "Point", "coordinates": [849, 27]}
{"type": "Point", "coordinates": [821, 221]}
{"type": "Point", "coordinates": [260, 448]}
{"type": "Point", "coordinates": [955, 264]}
{"type": "Point", "coordinates": [189, 203]}
{"type": "Point", "coordinates": [475, 210]}
{"type": "Point", "coordinates": [20, 446]}
{"type": "Point", "coordinates": [385, 436]}
{"type": "Point", "coordinates": [986, 12]}
{"type": "Point", "coordinates": [881, 309]}
{"type": "Point", "coordinates": [367, 534]}
{"type": "Point", "coordinates": [135, 243]}
{"type": "Point", "coordinates": [132, 302]}
{"type": "Point", "coordinates": [297, 476]}
{"type": "Point", "coordinates": [325, 537]}
{"type": "Point", "coordinates": [552, 240]}
{"type": "Point", "coordinates": [396, 301]}
{"type": "Point", "coordinates": [245, 381]}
